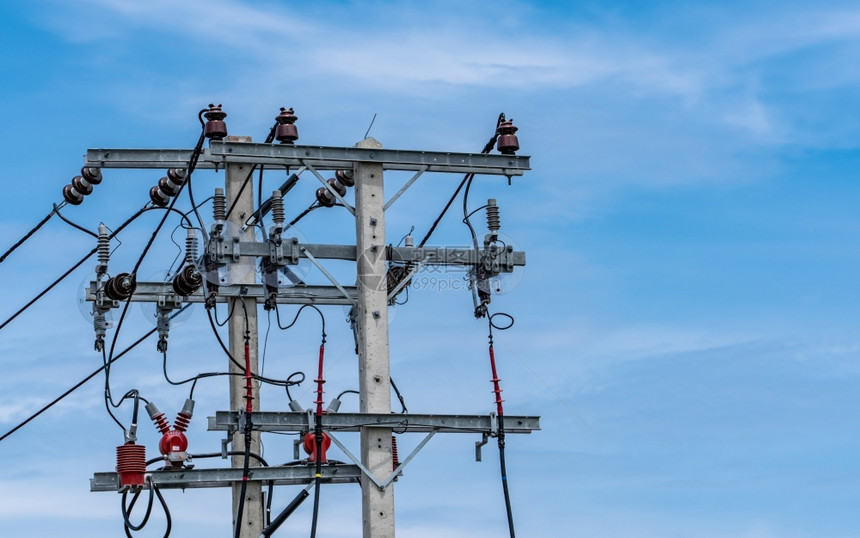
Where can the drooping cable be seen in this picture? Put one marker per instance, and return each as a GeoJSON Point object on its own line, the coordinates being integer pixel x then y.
{"type": "Point", "coordinates": [79, 384]}
{"type": "Point", "coordinates": [269, 139]}
{"type": "Point", "coordinates": [72, 224]}
{"type": "Point", "coordinates": [71, 269]}
{"type": "Point", "coordinates": [488, 147]}
{"type": "Point", "coordinates": [501, 413]}
{"type": "Point", "coordinates": [154, 491]}
{"type": "Point", "coordinates": [27, 235]}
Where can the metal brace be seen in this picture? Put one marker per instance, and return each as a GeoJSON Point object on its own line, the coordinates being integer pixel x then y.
{"type": "Point", "coordinates": [328, 276]}
{"type": "Point", "coordinates": [329, 188]}
{"type": "Point", "coordinates": [397, 472]}
{"type": "Point", "coordinates": [479, 444]}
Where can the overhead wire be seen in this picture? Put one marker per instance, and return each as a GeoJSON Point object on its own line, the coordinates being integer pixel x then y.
{"type": "Point", "coordinates": [27, 235]}
{"type": "Point", "coordinates": [79, 384]}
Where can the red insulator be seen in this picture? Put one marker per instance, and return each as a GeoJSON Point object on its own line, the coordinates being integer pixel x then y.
{"type": "Point", "coordinates": [181, 422]}
{"type": "Point", "coordinates": [215, 128]}
{"type": "Point", "coordinates": [131, 465]}
{"type": "Point", "coordinates": [508, 143]}
{"type": "Point", "coordinates": [395, 458]}
{"type": "Point", "coordinates": [286, 132]}
{"type": "Point", "coordinates": [161, 423]}
{"type": "Point", "coordinates": [310, 445]}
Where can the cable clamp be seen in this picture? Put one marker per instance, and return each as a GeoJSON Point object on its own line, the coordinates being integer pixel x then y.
{"type": "Point", "coordinates": [494, 425]}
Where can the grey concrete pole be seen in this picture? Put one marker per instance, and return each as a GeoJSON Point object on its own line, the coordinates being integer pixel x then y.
{"type": "Point", "coordinates": [243, 272]}
{"type": "Point", "coordinates": [372, 323]}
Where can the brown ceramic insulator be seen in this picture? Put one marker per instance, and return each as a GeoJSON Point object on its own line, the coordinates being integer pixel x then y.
{"type": "Point", "coordinates": [508, 143]}
{"type": "Point", "coordinates": [286, 132]}
{"type": "Point", "coordinates": [93, 175]}
{"type": "Point", "coordinates": [324, 197]}
{"type": "Point", "coordinates": [345, 177]}
{"type": "Point", "coordinates": [82, 185]}
{"type": "Point", "coordinates": [215, 128]}
{"type": "Point", "coordinates": [72, 196]}
{"type": "Point", "coordinates": [187, 281]}
{"type": "Point", "coordinates": [158, 197]}
{"type": "Point", "coordinates": [120, 287]}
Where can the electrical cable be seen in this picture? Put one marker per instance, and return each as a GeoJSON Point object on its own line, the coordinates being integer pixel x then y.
{"type": "Point", "coordinates": [82, 382]}
{"type": "Point", "coordinates": [488, 147]}
{"type": "Point", "coordinates": [27, 235]}
{"type": "Point", "coordinates": [72, 224]}
{"type": "Point", "coordinates": [72, 269]}
{"type": "Point", "coordinates": [318, 433]}
{"type": "Point", "coordinates": [154, 491]}
{"type": "Point", "coordinates": [501, 413]}
{"type": "Point", "coordinates": [192, 163]}
{"type": "Point", "coordinates": [249, 409]}
{"type": "Point", "coordinates": [269, 139]}
{"type": "Point", "coordinates": [260, 378]}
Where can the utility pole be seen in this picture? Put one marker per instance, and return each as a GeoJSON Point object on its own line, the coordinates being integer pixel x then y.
{"type": "Point", "coordinates": [377, 505]}
{"type": "Point", "coordinates": [243, 272]}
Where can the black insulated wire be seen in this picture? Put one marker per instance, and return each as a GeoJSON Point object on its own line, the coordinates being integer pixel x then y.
{"type": "Point", "coordinates": [27, 235]}
{"type": "Point", "coordinates": [501, 416]}
{"type": "Point", "coordinates": [78, 385]}
{"type": "Point", "coordinates": [154, 492]}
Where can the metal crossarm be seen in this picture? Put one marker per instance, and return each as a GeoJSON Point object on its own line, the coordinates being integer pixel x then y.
{"type": "Point", "coordinates": [220, 154]}
{"type": "Point", "coordinates": [285, 475]}
{"type": "Point", "coordinates": [352, 422]}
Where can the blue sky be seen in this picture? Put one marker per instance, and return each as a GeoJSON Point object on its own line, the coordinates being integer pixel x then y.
{"type": "Point", "coordinates": [685, 322]}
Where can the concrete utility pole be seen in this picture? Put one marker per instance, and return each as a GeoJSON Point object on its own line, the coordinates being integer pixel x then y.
{"type": "Point", "coordinates": [377, 505]}
{"type": "Point", "coordinates": [243, 272]}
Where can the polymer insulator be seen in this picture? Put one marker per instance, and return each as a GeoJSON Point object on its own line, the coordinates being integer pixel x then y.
{"type": "Point", "coordinates": [395, 458]}
{"type": "Point", "coordinates": [277, 207]}
{"type": "Point", "coordinates": [215, 128]}
{"type": "Point", "coordinates": [219, 205]}
{"type": "Point", "coordinates": [494, 222]}
{"type": "Point", "coordinates": [190, 247]}
{"type": "Point", "coordinates": [286, 132]}
{"type": "Point", "coordinates": [103, 250]}
{"type": "Point", "coordinates": [158, 418]}
{"type": "Point", "coordinates": [184, 416]}
{"type": "Point", "coordinates": [508, 143]}
{"type": "Point", "coordinates": [120, 287]}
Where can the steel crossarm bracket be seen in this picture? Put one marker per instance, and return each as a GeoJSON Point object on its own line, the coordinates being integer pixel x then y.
{"type": "Point", "coordinates": [353, 422]}
{"type": "Point", "coordinates": [403, 189]}
{"type": "Point", "coordinates": [503, 260]}
{"type": "Point", "coordinates": [334, 158]}
{"type": "Point", "coordinates": [220, 153]}
{"type": "Point", "coordinates": [329, 188]}
{"type": "Point", "coordinates": [397, 472]}
{"type": "Point", "coordinates": [213, 478]}
{"type": "Point", "coordinates": [356, 461]}
{"type": "Point", "coordinates": [143, 158]}
{"type": "Point", "coordinates": [332, 279]}
{"type": "Point", "coordinates": [153, 292]}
